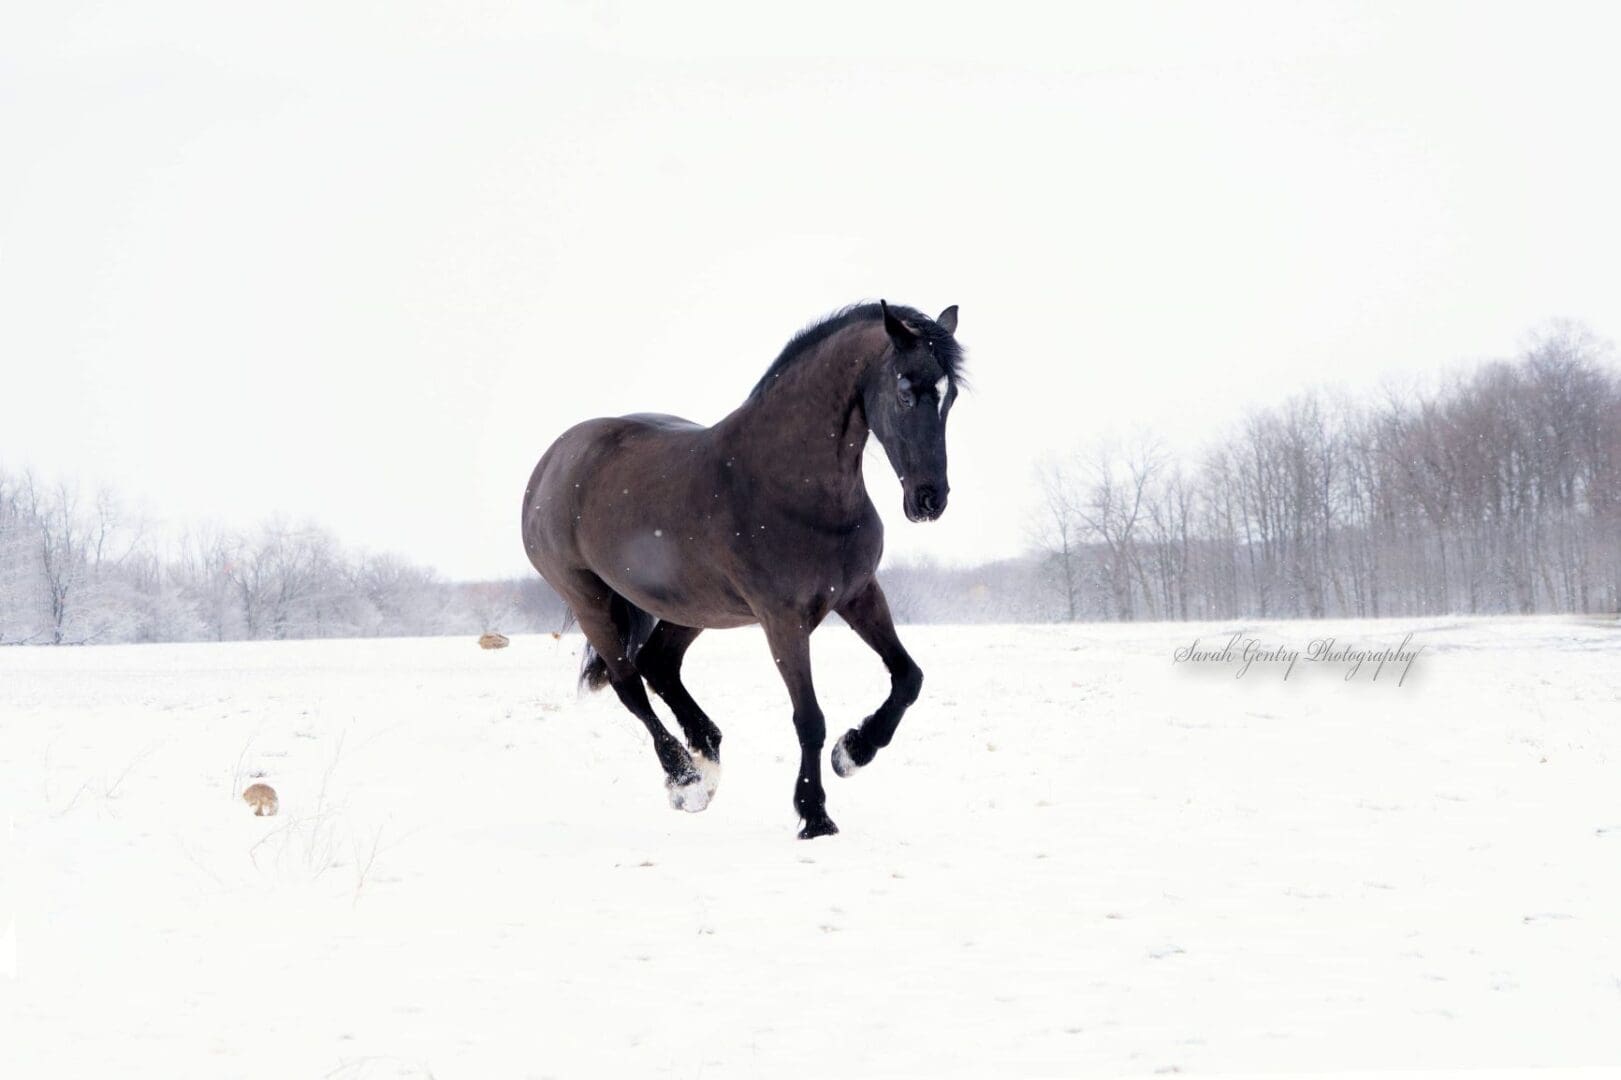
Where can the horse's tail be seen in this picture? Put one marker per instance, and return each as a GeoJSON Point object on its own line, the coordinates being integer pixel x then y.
{"type": "Point", "coordinates": [633, 626]}
{"type": "Point", "coordinates": [593, 670]}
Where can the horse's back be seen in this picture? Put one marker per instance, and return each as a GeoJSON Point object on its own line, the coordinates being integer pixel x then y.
{"type": "Point", "coordinates": [590, 446]}
{"type": "Point", "coordinates": [662, 422]}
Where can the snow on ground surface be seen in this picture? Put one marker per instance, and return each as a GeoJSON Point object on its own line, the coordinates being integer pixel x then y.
{"type": "Point", "coordinates": [1077, 857]}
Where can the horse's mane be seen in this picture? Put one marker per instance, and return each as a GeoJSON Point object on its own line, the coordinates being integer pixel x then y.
{"type": "Point", "coordinates": [944, 347]}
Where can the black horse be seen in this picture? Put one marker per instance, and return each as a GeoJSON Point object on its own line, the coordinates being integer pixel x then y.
{"type": "Point", "coordinates": [653, 529]}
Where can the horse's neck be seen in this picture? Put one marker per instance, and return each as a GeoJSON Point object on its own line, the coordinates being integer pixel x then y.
{"type": "Point", "coordinates": [808, 429]}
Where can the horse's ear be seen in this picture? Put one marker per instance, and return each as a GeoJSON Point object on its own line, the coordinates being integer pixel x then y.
{"type": "Point", "coordinates": [902, 335]}
{"type": "Point", "coordinates": [948, 319]}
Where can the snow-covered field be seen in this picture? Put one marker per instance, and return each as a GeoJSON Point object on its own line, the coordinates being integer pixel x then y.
{"type": "Point", "coordinates": [1077, 857]}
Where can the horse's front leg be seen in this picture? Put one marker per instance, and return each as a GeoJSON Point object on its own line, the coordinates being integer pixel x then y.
{"type": "Point", "coordinates": [789, 638]}
{"type": "Point", "coordinates": [868, 615]}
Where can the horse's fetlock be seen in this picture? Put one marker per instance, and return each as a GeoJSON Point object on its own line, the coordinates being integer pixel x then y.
{"type": "Point", "coordinates": [809, 798]}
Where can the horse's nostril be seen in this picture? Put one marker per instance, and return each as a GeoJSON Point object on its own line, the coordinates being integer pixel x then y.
{"type": "Point", "coordinates": [928, 500]}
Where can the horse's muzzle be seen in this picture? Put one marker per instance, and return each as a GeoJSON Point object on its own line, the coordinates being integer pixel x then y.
{"type": "Point", "coordinates": [925, 502]}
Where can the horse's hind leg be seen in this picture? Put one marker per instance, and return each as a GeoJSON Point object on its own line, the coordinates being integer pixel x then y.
{"type": "Point", "coordinates": [868, 615]}
{"type": "Point", "coordinates": [659, 661]}
{"type": "Point", "coordinates": [592, 602]}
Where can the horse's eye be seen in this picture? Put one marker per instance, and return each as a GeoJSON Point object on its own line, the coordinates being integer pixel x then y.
{"type": "Point", "coordinates": [903, 388]}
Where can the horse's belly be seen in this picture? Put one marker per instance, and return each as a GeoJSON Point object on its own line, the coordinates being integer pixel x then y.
{"type": "Point", "coordinates": [673, 576]}
{"type": "Point", "coordinates": [696, 600]}
{"type": "Point", "coordinates": [703, 617]}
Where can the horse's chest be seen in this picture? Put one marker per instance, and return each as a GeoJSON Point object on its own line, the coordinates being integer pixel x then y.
{"type": "Point", "coordinates": [815, 568]}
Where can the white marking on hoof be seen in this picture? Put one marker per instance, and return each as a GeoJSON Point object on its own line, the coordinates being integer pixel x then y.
{"type": "Point", "coordinates": [709, 771]}
{"type": "Point", "coordinates": [843, 764]}
{"type": "Point", "coordinates": [691, 796]}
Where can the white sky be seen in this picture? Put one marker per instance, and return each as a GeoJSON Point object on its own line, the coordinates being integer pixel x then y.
{"type": "Point", "coordinates": [360, 263]}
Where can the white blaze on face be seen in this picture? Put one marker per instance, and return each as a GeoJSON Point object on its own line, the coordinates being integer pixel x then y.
{"type": "Point", "coordinates": [940, 393]}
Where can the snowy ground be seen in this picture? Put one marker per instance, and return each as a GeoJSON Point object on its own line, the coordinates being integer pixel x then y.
{"type": "Point", "coordinates": [1077, 857]}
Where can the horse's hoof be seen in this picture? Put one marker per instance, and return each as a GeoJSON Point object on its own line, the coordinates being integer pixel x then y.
{"type": "Point", "coordinates": [844, 759]}
{"type": "Point", "coordinates": [708, 772]}
{"type": "Point", "coordinates": [688, 792]}
{"type": "Point", "coordinates": [822, 826]}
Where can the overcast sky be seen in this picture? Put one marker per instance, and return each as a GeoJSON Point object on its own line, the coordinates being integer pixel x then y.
{"type": "Point", "coordinates": [361, 263]}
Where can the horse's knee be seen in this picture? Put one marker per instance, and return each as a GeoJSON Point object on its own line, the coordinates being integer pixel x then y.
{"type": "Point", "coordinates": [812, 728]}
{"type": "Point", "coordinates": [908, 683]}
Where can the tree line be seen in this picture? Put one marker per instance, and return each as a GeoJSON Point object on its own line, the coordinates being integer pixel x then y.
{"type": "Point", "coordinates": [77, 571]}
{"type": "Point", "coordinates": [1497, 492]}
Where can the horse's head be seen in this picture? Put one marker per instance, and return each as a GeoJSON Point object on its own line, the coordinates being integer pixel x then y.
{"type": "Point", "coordinates": [907, 397]}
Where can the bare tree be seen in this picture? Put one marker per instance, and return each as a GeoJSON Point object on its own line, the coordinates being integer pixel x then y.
{"type": "Point", "coordinates": [1111, 512]}
{"type": "Point", "coordinates": [1055, 531]}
